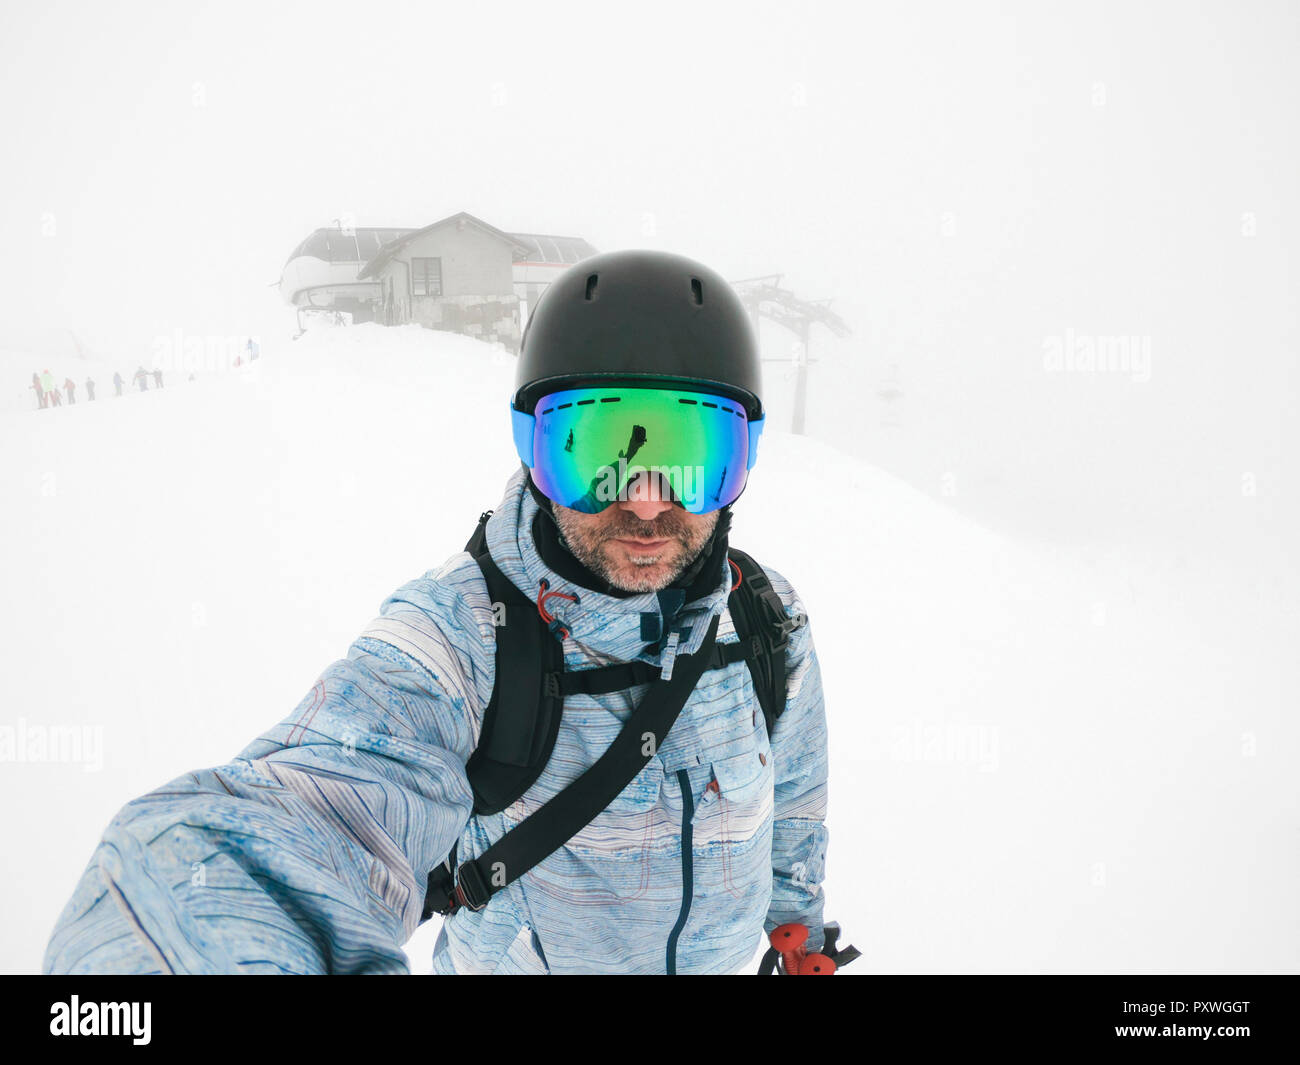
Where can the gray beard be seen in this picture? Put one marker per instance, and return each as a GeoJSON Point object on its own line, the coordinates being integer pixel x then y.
{"type": "Point", "coordinates": [597, 565]}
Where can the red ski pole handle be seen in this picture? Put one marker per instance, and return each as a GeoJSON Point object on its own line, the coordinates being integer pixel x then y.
{"type": "Point", "coordinates": [816, 965]}
{"type": "Point", "coordinates": [790, 941]}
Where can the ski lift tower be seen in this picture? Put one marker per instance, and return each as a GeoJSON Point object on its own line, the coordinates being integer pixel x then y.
{"type": "Point", "coordinates": [890, 393]}
{"type": "Point", "coordinates": [764, 297]}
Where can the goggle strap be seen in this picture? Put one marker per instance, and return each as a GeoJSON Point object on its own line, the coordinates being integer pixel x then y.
{"type": "Point", "coordinates": [755, 431]}
{"type": "Point", "coordinates": [522, 424]}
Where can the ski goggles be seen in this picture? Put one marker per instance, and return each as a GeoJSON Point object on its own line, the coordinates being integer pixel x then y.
{"type": "Point", "coordinates": [586, 446]}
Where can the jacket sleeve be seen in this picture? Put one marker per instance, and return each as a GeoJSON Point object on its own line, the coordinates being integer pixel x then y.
{"type": "Point", "coordinates": [309, 852]}
{"type": "Point", "coordinates": [799, 754]}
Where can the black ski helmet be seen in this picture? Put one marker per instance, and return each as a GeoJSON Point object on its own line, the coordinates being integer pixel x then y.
{"type": "Point", "coordinates": [639, 315]}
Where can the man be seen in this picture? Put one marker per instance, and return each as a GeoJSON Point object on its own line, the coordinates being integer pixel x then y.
{"type": "Point", "coordinates": [414, 764]}
{"type": "Point", "coordinates": [118, 382]}
{"type": "Point", "coordinates": [90, 390]}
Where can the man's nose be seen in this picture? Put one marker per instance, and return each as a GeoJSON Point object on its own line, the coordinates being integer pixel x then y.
{"type": "Point", "coordinates": [647, 496]}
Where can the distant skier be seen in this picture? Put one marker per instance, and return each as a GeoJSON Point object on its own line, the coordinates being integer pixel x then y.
{"type": "Point", "coordinates": [71, 387]}
{"type": "Point", "coordinates": [41, 401]}
{"type": "Point", "coordinates": [252, 349]}
{"type": "Point", "coordinates": [157, 378]}
{"type": "Point", "coordinates": [142, 379]}
{"type": "Point", "coordinates": [90, 390]}
{"type": "Point", "coordinates": [118, 382]}
{"type": "Point", "coordinates": [47, 382]}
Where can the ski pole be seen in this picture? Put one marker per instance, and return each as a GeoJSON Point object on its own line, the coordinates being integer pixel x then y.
{"type": "Point", "coordinates": [789, 941]}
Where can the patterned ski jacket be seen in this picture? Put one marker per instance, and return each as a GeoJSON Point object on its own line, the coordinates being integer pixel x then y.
{"type": "Point", "coordinates": [309, 852]}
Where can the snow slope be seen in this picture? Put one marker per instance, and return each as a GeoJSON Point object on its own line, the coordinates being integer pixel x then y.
{"type": "Point", "coordinates": [1038, 764]}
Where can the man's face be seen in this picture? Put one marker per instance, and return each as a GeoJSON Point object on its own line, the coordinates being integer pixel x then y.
{"type": "Point", "coordinates": [640, 544]}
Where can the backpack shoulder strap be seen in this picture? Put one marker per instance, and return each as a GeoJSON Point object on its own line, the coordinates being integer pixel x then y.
{"type": "Point", "coordinates": [763, 628]}
{"type": "Point", "coordinates": [522, 718]}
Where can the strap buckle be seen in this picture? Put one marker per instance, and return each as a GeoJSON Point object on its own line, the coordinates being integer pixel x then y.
{"type": "Point", "coordinates": [438, 894]}
{"type": "Point", "coordinates": [777, 625]}
{"type": "Point", "coordinates": [470, 891]}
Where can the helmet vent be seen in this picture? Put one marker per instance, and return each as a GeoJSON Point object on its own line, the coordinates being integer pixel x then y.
{"type": "Point", "coordinates": [591, 287]}
{"type": "Point", "coordinates": [697, 292]}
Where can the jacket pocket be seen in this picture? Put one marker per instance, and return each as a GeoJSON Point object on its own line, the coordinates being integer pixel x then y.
{"type": "Point", "coordinates": [625, 824]}
{"type": "Point", "coordinates": [741, 789]}
{"type": "Point", "coordinates": [609, 861]}
{"type": "Point", "coordinates": [642, 793]}
{"type": "Point", "coordinates": [732, 832]}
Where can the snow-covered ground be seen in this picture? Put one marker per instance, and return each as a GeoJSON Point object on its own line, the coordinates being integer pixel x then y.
{"type": "Point", "coordinates": [1040, 762]}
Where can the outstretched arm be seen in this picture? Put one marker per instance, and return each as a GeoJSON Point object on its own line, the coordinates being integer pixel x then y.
{"type": "Point", "coordinates": [309, 852]}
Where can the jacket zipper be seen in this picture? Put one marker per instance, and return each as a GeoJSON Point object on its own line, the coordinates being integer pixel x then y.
{"type": "Point", "coordinates": [688, 885]}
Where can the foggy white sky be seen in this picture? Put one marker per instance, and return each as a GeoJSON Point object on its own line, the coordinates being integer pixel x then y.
{"type": "Point", "coordinates": [966, 182]}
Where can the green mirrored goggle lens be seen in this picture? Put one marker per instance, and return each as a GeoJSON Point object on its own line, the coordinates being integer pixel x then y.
{"type": "Point", "coordinates": [591, 447]}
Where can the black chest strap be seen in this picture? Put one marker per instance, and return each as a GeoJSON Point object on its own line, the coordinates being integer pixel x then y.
{"type": "Point", "coordinates": [576, 806]}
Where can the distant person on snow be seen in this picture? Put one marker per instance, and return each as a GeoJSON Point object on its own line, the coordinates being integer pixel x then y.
{"type": "Point", "coordinates": [142, 379]}
{"type": "Point", "coordinates": [71, 386]}
{"type": "Point", "coordinates": [667, 674]}
{"type": "Point", "coordinates": [41, 401]}
{"type": "Point", "coordinates": [52, 392]}
{"type": "Point", "coordinates": [118, 382]}
{"type": "Point", "coordinates": [252, 349]}
{"type": "Point", "coordinates": [157, 378]}
{"type": "Point", "coordinates": [90, 390]}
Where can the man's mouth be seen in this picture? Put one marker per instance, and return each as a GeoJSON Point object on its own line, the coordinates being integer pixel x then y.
{"type": "Point", "coordinates": [643, 546]}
